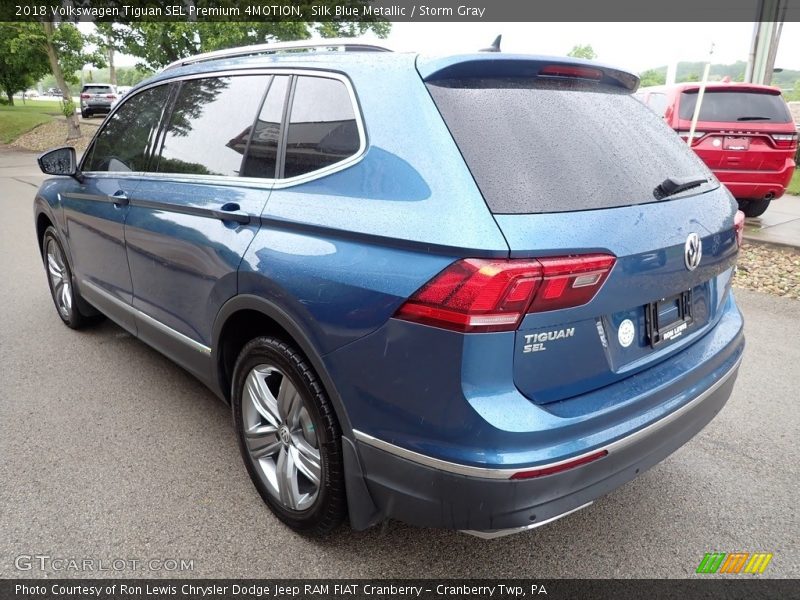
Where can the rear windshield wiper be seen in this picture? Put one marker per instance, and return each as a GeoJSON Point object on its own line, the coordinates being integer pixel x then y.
{"type": "Point", "coordinates": [675, 185]}
{"type": "Point", "coordinates": [754, 119]}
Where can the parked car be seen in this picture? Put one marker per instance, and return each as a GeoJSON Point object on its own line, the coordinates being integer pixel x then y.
{"type": "Point", "coordinates": [745, 134]}
{"type": "Point", "coordinates": [97, 98]}
{"type": "Point", "coordinates": [474, 292]}
{"type": "Point", "coordinates": [53, 92]}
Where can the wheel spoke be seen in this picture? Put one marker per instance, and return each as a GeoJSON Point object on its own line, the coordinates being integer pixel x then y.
{"type": "Point", "coordinates": [66, 296]}
{"type": "Point", "coordinates": [307, 459]}
{"type": "Point", "coordinates": [262, 441]}
{"type": "Point", "coordinates": [262, 399]}
{"type": "Point", "coordinates": [53, 267]}
{"type": "Point", "coordinates": [289, 402]}
{"type": "Point", "coordinates": [286, 472]}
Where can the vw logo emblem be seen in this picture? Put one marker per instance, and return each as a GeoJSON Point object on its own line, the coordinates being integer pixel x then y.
{"type": "Point", "coordinates": [693, 251]}
{"type": "Point", "coordinates": [285, 436]}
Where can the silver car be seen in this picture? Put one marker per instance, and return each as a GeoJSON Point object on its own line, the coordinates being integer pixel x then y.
{"type": "Point", "coordinates": [97, 98]}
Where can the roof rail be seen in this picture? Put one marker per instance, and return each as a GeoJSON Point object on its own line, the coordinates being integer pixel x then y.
{"type": "Point", "coordinates": [342, 44]}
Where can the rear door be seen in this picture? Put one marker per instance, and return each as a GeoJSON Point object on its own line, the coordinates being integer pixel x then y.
{"type": "Point", "coordinates": [192, 219]}
{"type": "Point", "coordinates": [739, 128]}
{"type": "Point", "coordinates": [570, 169]}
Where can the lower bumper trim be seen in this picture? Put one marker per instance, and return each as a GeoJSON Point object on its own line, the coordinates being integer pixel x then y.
{"type": "Point", "coordinates": [496, 533]}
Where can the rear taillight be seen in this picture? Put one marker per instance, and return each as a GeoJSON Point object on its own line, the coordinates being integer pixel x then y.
{"type": "Point", "coordinates": [480, 295]}
{"type": "Point", "coordinates": [84, 96]}
{"type": "Point", "coordinates": [111, 96]}
{"type": "Point", "coordinates": [785, 140]}
{"type": "Point", "coordinates": [738, 227]}
{"type": "Point", "coordinates": [570, 281]}
{"type": "Point", "coordinates": [571, 71]}
{"type": "Point", "coordinates": [685, 135]}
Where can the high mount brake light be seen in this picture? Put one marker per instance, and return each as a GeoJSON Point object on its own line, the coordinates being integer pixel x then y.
{"type": "Point", "coordinates": [571, 71]}
{"type": "Point", "coordinates": [479, 295]}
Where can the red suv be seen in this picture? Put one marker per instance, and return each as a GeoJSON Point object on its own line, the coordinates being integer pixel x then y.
{"type": "Point", "coordinates": [745, 134]}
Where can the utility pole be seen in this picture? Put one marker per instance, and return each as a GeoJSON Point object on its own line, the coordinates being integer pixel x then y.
{"type": "Point", "coordinates": [764, 46]}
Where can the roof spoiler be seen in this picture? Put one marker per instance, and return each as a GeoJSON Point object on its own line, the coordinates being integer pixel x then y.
{"type": "Point", "coordinates": [470, 66]}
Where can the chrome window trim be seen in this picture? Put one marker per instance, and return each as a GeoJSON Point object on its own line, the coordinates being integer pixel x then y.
{"type": "Point", "coordinates": [166, 329]}
{"type": "Point", "coordinates": [258, 182]}
{"type": "Point", "coordinates": [490, 473]}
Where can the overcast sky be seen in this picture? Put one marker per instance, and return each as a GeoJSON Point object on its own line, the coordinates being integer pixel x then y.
{"type": "Point", "coordinates": [632, 46]}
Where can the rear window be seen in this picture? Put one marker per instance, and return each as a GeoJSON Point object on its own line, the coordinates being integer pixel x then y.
{"type": "Point", "coordinates": [97, 89]}
{"type": "Point", "coordinates": [538, 146]}
{"type": "Point", "coordinates": [730, 107]}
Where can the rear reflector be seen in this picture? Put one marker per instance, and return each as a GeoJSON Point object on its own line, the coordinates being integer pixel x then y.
{"type": "Point", "coordinates": [478, 295]}
{"type": "Point", "coordinates": [86, 96]}
{"type": "Point", "coordinates": [571, 71]}
{"type": "Point", "coordinates": [738, 227]}
{"type": "Point", "coordinates": [565, 466]}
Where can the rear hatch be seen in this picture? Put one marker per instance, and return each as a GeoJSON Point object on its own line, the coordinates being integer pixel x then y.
{"type": "Point", "coordinates": [98, 94]}
{"type": "Point", "coordinates": [570, 165]}
{"type": "Point", "coordinates": [739, 128]}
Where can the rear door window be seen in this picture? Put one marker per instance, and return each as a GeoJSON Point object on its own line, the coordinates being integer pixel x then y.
{"type": "Point", "coordinates": [322, 128]}
{"type": "Point", "coordinates": [210, 125]}
{"type": "Point", "coordinates": [262, 153]}
{"type": "Point", "coordinates": [129, 135]}
{"type": "Point", "coordinates": [728, 106]}
{"type": "Point", "coordinates": [538, 146]}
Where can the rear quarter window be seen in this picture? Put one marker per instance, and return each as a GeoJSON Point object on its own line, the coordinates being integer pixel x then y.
{"type": "Point", "coordinates": [537, 146]}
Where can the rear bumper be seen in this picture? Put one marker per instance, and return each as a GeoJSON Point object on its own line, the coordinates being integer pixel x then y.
{"type": "Point", "coordinates": [429, 492]}
{"type": "Point", "coordinates": [756, 185]}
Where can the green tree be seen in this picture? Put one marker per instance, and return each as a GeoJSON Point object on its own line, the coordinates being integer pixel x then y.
{"type": "Point", "coordinates": [583, 51]}
{"type": "Point", "coordinates": [64, 46]}
{"type": "Point", "coordinates": [794, 94]}
{"type": "Point", "coordinates": [20, 64]}
{"type": "Point", "coordinates": [108, 37]}
{"type": "Point", "coordinates": [652, 77]}
{"type": "Point", "coordinates": [158, 44]}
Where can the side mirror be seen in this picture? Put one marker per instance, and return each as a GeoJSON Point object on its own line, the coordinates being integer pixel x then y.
{"type": "Point", "coordinates": [60, 161]}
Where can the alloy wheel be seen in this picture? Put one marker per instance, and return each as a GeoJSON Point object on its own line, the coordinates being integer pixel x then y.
{"type": "Point", "coordinates": [59, 279]}
{"type": "Point", "coordinates": [281, 438]}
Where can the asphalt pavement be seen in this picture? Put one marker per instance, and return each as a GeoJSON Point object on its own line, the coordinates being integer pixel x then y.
{"type": "Point", "coordinates": [109, 452]}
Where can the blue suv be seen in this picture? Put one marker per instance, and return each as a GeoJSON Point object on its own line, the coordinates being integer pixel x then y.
{"type": "Point", "coordinates": [473, 292]}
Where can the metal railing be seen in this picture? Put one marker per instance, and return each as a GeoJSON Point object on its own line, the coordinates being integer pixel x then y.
{"type": "Point", "coordinates": [331, 44]}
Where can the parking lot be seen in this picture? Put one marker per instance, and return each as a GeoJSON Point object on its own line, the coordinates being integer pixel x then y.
{"type": "Point", "coordinates": [109, 451]}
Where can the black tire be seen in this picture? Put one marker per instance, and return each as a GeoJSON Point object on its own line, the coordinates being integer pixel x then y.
{"type": "Point", "coordinates": [329, 508]}
{"type": "Point", "coordinates": [754, 208]}
{"type": "Point", "coordinates": [85, 114]}
{"type": "Point", "coordinates": [70, 312]}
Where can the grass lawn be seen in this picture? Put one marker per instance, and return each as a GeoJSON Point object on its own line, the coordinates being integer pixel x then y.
{"type": "Point", "coordinates": [794, 184]}
{"type": "Point", "coordinates": [16, 120]}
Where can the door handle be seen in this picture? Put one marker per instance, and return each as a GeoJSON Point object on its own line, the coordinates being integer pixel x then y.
{"type": "Point", "coordinates": [231, 212]}
{"type": "Point", "coordinates": [120, 198]}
